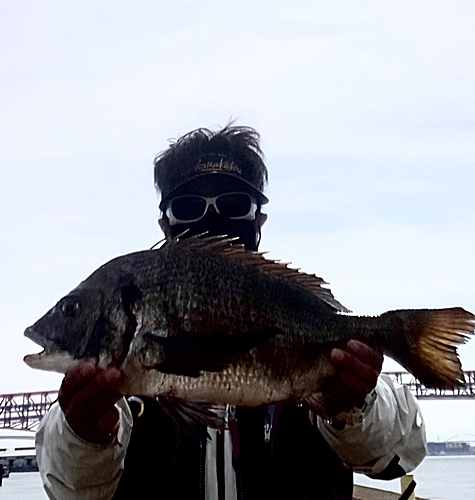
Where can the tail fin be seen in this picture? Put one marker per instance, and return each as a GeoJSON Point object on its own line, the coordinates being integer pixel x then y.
{"type": "Point", "coordinates": [428, 343]}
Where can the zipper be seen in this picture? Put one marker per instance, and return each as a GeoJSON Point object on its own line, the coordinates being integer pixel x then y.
{"type": "Point", "coordinates": [268, 421]}
{"type": "Point", "coordinates": [220, 465]}
{"type": "Point", "coordinates": [201, 466]}
{"type": "Point", "coordinates": [235, 457]}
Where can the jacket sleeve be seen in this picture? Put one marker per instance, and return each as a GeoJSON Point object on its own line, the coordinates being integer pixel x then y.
{"type": "Point", "coordinates": [385, 441]}
{"type": "Point", "coordinates": [74, 469]}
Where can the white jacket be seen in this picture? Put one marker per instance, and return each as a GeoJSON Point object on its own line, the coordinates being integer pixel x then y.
{"type": "Point", "coordinates": [74, 469]}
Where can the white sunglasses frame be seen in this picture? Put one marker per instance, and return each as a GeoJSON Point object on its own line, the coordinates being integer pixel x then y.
{"type": "Point", "coordinates": [173, 221]}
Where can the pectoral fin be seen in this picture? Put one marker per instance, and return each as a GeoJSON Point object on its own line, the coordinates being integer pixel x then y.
{"type": "Point", "coordinates": [190, 354]}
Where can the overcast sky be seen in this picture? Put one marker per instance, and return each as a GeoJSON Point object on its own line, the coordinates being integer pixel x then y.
{"type": "Point", "coordinates": [366, 111]}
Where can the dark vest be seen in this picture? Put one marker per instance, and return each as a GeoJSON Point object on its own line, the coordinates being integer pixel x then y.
{"type": "Point", "coordinates": [296, 463]}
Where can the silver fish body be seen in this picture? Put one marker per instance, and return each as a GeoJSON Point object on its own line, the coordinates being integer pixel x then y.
{"type": "Point", "coordinates": [203, 320]}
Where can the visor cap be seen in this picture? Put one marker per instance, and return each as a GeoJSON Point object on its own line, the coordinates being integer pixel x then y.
{"type": "Point", "coordinates": [232, 153]}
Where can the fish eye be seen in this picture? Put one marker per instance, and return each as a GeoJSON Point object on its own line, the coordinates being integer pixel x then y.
{"type": "Point", "coordinates": [70, 307]}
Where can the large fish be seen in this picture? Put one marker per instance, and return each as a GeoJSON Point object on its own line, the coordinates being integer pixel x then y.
{"type": "Point", "coordinates": [202, 320]}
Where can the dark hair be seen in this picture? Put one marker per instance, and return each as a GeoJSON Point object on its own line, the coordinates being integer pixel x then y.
{"type": "Point", "coordinates": [238, 144]}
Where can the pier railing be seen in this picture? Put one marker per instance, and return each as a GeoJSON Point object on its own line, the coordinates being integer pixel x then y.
{"type": "Point", "coordinates": [24, 411]}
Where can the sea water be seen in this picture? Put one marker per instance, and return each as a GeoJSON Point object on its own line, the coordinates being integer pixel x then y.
{"type": "Point", "coordinates": [438, 478]}
{"type": "Point", "coordinates": [23, 486]}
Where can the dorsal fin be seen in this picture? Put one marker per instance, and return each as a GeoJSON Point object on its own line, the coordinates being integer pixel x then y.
{"type": "Point", "coordinates": [227, 247]}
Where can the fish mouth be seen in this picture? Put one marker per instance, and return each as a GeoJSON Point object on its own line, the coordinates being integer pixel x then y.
{"type": "Point", "coordinates": [51, 358]}
{"type": "Point", "coordinates": [37, 338]}
{"type": "Point", "coordinates": [32, 360]}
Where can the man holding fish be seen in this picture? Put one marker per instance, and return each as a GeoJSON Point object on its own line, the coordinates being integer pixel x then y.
{"type": "Point", "coordinates": [98, 444]}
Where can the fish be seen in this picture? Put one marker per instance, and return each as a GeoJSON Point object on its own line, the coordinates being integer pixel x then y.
{"type": "Point", "coordinates": [203, 320]}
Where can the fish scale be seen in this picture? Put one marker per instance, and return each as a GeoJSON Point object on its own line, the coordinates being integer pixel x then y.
{"type": "Point", "coordinates": [203, 320]}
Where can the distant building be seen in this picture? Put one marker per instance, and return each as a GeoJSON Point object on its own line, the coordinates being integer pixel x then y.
{"type": "Point", "coordinates": [450, 448]}
{"type": "Point", "coordinates": [18, 459]}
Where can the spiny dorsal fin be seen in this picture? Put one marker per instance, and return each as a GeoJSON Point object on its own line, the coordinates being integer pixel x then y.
{"type": "Point", "coordinates": [227, 246]}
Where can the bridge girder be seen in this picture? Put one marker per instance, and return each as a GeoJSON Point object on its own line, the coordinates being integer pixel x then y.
{"type": "Point", "coordinates": [24, 411]}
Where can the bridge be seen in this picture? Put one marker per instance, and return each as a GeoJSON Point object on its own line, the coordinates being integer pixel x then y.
{"type": "Point", "coordinates": [467, 391]}
{"type": "Point", "coordinates": [24, 411]}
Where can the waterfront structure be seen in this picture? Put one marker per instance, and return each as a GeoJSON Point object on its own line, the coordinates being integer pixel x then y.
{"type": "Point", "coordinates": [24, 411]}
{"type": "Point", "coordinates": [450, 448]}
{"type": "Point", "coordinates": [21, 459]}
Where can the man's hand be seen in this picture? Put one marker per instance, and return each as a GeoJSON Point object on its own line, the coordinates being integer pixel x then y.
{"type": "Point", "coordinates": [357, 369]}
{"type": "Point", "coordinates": [87, 397]}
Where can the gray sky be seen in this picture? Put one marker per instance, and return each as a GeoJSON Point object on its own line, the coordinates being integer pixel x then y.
{"type": "Point", "coordinates": [366, 111]}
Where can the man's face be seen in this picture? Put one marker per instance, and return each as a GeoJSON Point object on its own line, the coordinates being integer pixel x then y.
{"type": "Point", "coordinates": [215, 208]}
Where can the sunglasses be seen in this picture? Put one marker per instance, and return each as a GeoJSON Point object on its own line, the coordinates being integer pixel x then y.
{"type": "Point", "coordinates": [192, 208]}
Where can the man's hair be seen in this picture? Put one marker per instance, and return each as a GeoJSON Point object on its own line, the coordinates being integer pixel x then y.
{"type": "Point", "coordinates": [239, 144]}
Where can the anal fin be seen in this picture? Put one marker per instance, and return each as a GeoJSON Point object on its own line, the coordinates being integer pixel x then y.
{"type": "Point", "coordinates": [193, 418]}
